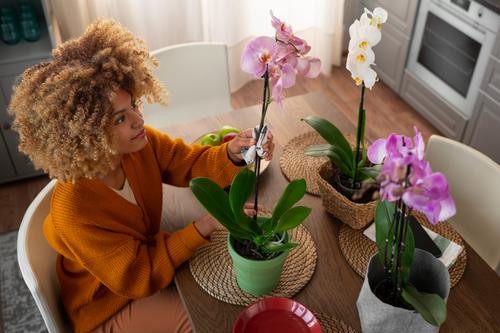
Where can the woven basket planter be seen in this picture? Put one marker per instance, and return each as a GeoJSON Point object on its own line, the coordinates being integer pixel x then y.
{"type": "Point", "coordinates": [355, 215]}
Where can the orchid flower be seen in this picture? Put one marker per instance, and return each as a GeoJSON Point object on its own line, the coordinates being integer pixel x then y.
{"type": "Point", "coordinates": [283, 31]}
{"type": "Point", "coordinates": [397, 146]}
{"type": "Point", "coordinates": [406, 175]}
{"type": "Point", "coordinates": [375, 18]}
{"type": "Point", "coordinates": [258, 54]}
{"type": "Point", "coordinates": [281, 77]}
{"type": "Point", "coordinates": [431, 197]}
{"type": "Point", "coordinates": [283, 58]}
{"type": "Point", "coordinates": [364, 35]}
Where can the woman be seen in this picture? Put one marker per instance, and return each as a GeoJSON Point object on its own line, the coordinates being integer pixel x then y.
{"type": "Point", "coordinates": [78, 119]}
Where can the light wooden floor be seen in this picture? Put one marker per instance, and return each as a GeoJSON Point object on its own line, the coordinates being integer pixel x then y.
{"type": "Point", "coordinates": [386, 113]}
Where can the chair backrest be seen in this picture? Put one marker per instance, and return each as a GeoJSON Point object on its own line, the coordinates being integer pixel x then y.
{"type": "Point", "coordinates": [197, 78]}
{"type": "Point", "coordinates": [474, 181]}
{"type": "Point", "coordinates": [37, 262]}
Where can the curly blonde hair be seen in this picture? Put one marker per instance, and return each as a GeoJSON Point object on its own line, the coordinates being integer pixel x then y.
{"type": "Point", "coordinates": [61, 107]}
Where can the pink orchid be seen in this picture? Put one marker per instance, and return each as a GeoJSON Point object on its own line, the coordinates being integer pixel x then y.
{"type": "Point", "coordinates": [431, 197]}
{"type": "Point", "coordinates": [309, 67]}
{"type": "Point", "coordinates": [301, 45]}
{"type": "Point", "coordinates": [283, 32]}
{"type": "Point", "coordinates": [282, 58]}
{"type": "Point", "coordinates": [281, 77]}
{"type": "Point", "coordinates": [396, 145]}
{"type": "Point", "coordinates": [258, 54]}
{"type": "Point", "coordinates": [406, 175]}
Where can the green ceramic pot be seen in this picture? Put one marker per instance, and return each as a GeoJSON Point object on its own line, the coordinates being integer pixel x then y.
{"type": "Point", "coordinates": [257, 277]}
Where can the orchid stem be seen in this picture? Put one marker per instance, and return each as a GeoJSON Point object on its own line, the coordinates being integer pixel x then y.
{"type": "Point", "coordinates": [265, 104]}
{"type": "Point", "coordinates": [359, 133]}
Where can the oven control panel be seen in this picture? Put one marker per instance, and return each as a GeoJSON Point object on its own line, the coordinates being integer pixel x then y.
{"type": "Point", "coordinates": [473, 12]}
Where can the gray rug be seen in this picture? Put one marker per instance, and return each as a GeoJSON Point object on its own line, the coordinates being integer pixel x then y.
{"type": "Point", "coordinates": [18, 311]}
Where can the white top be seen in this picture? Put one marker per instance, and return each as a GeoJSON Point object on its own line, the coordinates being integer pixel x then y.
{"type": "Point", "coordinates": [126, 192]}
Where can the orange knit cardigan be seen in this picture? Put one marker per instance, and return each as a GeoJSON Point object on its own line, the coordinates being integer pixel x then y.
{"type": "Point", "coordinates": [112, 251]}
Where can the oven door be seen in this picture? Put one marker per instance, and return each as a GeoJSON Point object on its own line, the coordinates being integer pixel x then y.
{"type": "Point", "coordinates": [449, 54]}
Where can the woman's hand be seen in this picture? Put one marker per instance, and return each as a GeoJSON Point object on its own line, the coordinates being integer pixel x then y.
{"type": "Point", "coordinates": [208, 224]}
{"type": "Point", "coordinates": [244, 140]}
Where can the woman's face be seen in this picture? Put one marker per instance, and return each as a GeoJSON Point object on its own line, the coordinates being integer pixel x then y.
{"type": "Point", "coordinates": [127, 125]}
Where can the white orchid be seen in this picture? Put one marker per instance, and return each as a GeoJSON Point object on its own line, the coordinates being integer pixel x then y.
{"type": "Point", "coordinates": [364, 35]}
{"type": "Point", "coordinates": [375, 18]}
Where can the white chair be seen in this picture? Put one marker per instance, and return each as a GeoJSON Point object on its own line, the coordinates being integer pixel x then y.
{"type": "Point", "coordinates": [474, 181]}
{"type": "Point", "coordinates": [196, 76]}
{"type": "Point", "coordinates": [37, 262]}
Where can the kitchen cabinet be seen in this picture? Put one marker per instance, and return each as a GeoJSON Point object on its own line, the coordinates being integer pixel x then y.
{"type": "Point", "coordinates": [391, 52]}
{"type": "Point", "coordinates": [14, 59]}
{"type": "Point", "coordinates": [483, 130]}
{"type": "Point", "coordinates": [441, 114]}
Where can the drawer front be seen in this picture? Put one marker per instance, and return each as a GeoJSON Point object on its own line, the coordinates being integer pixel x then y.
{"type": "Point", "coordinates": [491, 80]}
{"type": "Point", "coordinates": [440, 113]}
{"type": "Point", "coordinates": [390, 57]}
{"type": "Point", "coordinates": [496, 48]}
{"type": "Point", "coordinates": [7, 170]}
{"type": "Point", "coordinates": [10, 72]}
{"type": "Point", "coordinates": [483, 132]}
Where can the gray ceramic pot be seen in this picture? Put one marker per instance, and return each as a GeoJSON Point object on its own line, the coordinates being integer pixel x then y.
{"type": "Point", "coordinates": [427, 274]}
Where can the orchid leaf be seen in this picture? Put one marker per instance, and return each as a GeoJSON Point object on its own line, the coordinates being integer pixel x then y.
{"type": "Point", "coordinates": [292, 194]}
{"type": "Point", "coordinates": [241, 189]}
{"type": "Point", "coordinates": [216, 202]}
{"type": "Point", "coordinates": [371, 172]}
{"type": "Point", "coordinates": [431, 306]}
{"type": "Point", "coordinates": [384, 214]}
{"type": "Point", "coordinates": [328, 150]}
{"type": "Point", "coordinates": [322, 150]}
{"type": "Point", "coordinates": [263, 239]}
{"type": "Point", "coordinates": [330, 133]}
{"type": "Point", "coordinates": [292, 218]}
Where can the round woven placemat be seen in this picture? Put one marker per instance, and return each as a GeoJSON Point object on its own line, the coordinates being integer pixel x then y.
{"type": "Point", "coordinates": [330, 324]}
{"type": "Point", "coordinates": [358, 249]}
{"type": "Point", "coordinates": [212, 269]}
{"type": "Point", "coordinates": [295, 164]}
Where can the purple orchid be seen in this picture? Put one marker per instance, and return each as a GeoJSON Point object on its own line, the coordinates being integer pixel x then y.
{"type": "Point", "coordinates": [406, 175]}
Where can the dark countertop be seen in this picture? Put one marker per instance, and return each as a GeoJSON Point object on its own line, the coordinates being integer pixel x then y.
{"type": "Point", "coordinates": [494, 5]}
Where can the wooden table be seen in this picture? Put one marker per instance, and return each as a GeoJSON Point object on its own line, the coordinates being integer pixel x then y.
{"type": "Point", "coordinates": [473, 305]}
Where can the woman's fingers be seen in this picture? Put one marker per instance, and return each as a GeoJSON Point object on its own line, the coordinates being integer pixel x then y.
{"type": "Point", "coordinates": [249, 205]}
{"type": "Point", "coordinates": [249, 210]}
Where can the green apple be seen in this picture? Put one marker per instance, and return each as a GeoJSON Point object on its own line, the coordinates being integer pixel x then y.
{"type": "Point", "coordinates": [226, 129]}
{"type": "Point", "coordinates": [210, 139]}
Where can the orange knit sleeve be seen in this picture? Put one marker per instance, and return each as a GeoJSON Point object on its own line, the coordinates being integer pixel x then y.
{"type": "Point", "coordinates": [180, 162]}
{"type": "Point", "coordinates": [129, 267]}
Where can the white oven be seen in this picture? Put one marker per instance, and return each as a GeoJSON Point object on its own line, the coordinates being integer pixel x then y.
{"type": "Point", "coordinates": [450, 48]}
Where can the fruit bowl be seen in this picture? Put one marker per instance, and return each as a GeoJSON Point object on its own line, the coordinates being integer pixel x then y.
{"type": "Point", "coordinates": [263, 163]}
